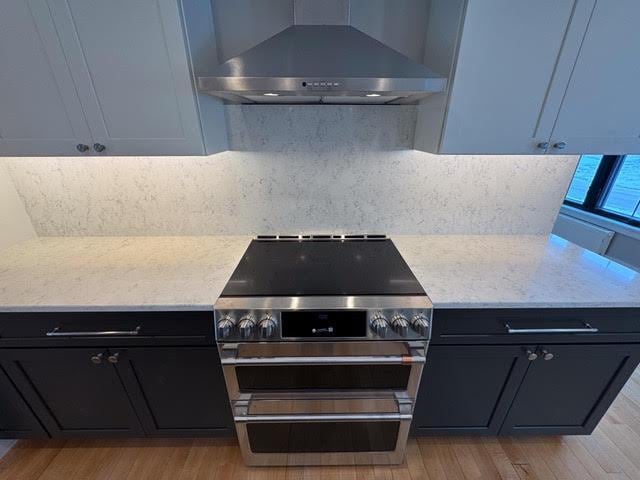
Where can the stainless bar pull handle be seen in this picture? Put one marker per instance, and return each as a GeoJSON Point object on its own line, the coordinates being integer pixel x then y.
{"type": "Point", "coordinates": [342, 360]}
{"type": "Point", "coordinates": [586, 329]}
{"type": "Point", "coordinates": [107, 333]}
{"type": "Point", "coordinates": [341, 417]}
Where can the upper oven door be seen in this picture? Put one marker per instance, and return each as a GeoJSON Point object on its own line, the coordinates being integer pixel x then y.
{"type": "Point", "coordinates": [263, 369]}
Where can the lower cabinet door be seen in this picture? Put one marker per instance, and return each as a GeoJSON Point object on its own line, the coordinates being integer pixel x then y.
{"type": "Point", "coordinates": [75, 392]}
{"type": "Point", "coordinates": [467, 389]}
{"type": "Point", "coordinates": [177, 391]}
{"type": "Point", "coordinates": [570, 391]}
{"type": "Point", "coordinates": [16, 418]}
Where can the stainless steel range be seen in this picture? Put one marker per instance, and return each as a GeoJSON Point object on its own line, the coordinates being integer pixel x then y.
{"type": "Point", "coordinates": [323, 340]}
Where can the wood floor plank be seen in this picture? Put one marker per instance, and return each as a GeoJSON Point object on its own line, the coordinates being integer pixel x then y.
{"type": "Point", "coordinates": [536, 460]}
{"type": "Point", "coordinates": [439, 459]}
{"type": "Point", "coordinates": [563, 463]}
{"type": "Point", "coordinates": [608, 455]}
{"type": "Point", "coordinates": [585, 458]}
{"type": "Point", "coordinates": [415, 463]}
{"type": "Point", "coordinates": [500, 459]}
{"type": "Point", "coordinates": [29, 459]}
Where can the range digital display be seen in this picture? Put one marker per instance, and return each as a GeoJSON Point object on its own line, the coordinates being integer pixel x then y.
{"type": "Point", "coordinates": [324, 323]}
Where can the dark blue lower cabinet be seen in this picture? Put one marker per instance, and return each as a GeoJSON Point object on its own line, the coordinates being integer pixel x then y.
{"type": "Point", "coordinates": [501, 389]}
{"type": "Point", "coordinates": [75, 392]}
{"type": "Point", "coordinates": [17, 420]}
{"type": "Point", "coordinates": [570, 391]}
{"type": "Point", "coordinates": [113, 392]}
{"type": "Point", "coordinates": [467, 389]}
{"type": "Point", "coordinates": [176, 391]}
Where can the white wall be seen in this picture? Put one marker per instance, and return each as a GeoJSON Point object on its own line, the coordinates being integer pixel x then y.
{"type": "Point", "coordinates": [15, 224]}
{"type": "Point", "coordinates": [294, 170]}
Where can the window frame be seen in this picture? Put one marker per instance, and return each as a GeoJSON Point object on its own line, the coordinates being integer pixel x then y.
{"type": "Point", "coordinates": [597, 192]}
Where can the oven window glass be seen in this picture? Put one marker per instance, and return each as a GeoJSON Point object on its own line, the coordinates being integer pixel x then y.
{"type": "Point", "coordinates": [323, 437]}
{"type": "Point", "coordinates": [323, 377]}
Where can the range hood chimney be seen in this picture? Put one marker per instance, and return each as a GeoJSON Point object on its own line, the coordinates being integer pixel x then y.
{"type": "Point", "coordinates": [310, 63]}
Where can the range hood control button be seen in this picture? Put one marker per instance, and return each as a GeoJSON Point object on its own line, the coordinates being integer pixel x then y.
{"type": "Point", "coordinates": [400, 324]}
{"type": "Point", "coordinates": [379, 325]}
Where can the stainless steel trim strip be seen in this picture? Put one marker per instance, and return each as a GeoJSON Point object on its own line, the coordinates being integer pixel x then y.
{"type": "Point", "coordinates": [346, 360]}
{"type": "Point", "coordinates": [107, 333]}
{"type": "Point", "coordinates": [325, 303]}
{"type": "Point", "coordinates": [586, 329]}
{"type": "Point", "coordinates": [348, 86]}
{"type": "Point", "coordinates": [343, 417]}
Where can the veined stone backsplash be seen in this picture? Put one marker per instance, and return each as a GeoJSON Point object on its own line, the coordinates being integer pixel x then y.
{"type": "Point", "coordinates": [297, 169]}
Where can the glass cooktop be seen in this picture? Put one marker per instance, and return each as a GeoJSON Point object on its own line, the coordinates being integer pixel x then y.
{"type": "Point", "coordinates": [317, 267]}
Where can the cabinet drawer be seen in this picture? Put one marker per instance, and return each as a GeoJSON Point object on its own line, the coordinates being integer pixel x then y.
{"type": "Point", "coordinates": [565, 325]}
{"type": "Point", "coordinates": [106, 328]}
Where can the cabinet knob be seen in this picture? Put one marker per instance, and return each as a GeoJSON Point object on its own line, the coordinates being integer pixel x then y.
{"type": "Point", "coordinates": [543, 145]}
{"type": "Point", "coordinates": [97, 358]}
{"type": "Point", "coordinates": [82, 147]}
{"type": "Point", "coordinates": [560, 145]}
{"type": "Point", "coordinates": [114, 357]}
{"type": "Point", "coordinates": [547, 355]}
{"type": "Point", "coordinates": [98, 147]}
{"type": "Point", "coordinates": [531, 355]}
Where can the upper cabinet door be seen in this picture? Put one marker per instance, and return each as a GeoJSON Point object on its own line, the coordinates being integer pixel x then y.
{"type": "Point", "coordinates": [600, 112]}
{"type": "Point", "coordinates": [39, 110]}
{"type": "Point", "coordinates": [510, 54]}
{"type": "Point", "coordinates": [130, 65]}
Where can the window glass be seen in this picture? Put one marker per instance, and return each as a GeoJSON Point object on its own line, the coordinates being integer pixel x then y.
{"type": "Point", "coordinates": [582, 179]}
{"type": "Point", "coordinates": [623, 196]}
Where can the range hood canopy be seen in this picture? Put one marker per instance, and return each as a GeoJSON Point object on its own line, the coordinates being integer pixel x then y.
{"type": "Point", "coordinates": [321, 64]}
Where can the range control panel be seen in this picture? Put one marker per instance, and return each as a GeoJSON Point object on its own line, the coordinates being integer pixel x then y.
{"type": "Point", "coordinates": [322, 325]}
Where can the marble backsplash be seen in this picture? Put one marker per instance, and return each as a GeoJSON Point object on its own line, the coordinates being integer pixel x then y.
{"type": "Point", "coordinates": [15, 225]}
{"type": "Point", "coordinates": [297, 169]}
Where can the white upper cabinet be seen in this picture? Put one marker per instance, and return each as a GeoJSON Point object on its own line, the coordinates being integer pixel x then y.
{"type": "Point", "coordinates": [600, 112]}
{"type": "Point", "coordinates": [39, 109]}
{"type": "Point", "coordinates": [550, 76]}
{"type": "Point", "coordinates": [129, 62]}
{"type": "Point", "coordinates": [114, 75]}
{"type": "Point", "coordinates": [503, 58]}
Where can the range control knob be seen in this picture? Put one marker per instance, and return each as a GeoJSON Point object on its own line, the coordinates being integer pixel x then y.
{"type": "Point", "coordinates": [379, 325]}
{"type": "Point", "coordinates": [420, 323]}
{"type": "Point", "coordinates": [246, 326]}
{"type": "Point", "coordinates": [226, 326]}
{"type": "Point", "coordinates": [267, 326]}
{"type": "Point", "coordinates": [400, 324]}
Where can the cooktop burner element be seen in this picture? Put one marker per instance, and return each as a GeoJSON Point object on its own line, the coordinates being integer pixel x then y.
{"type": "Point", "coordinates": [324, 266]}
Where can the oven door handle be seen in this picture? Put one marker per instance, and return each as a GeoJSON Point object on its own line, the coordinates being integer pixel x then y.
{"type": "Point", "coordinates": [323, 417]}
{"type": "Point", "coordinates": [337, 360]}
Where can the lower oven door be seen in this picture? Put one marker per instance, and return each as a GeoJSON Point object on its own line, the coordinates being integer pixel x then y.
{"type": "Point", "coordinates": [361, 367]}
{"type": "Point", "coordinates": [323, 430]}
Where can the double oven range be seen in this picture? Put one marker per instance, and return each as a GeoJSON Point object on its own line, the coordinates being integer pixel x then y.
{"type": "Point", "coordinates": [322, 341]}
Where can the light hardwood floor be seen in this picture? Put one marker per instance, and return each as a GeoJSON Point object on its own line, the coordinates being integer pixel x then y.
{"type": "Point", "coordinates": [611, 453]}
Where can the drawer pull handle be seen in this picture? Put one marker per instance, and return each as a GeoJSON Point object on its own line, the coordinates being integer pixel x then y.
{"type": "Point", "coordinates": [339, 417]}
{"type": "Point", "coordinates": [586, 329]}
{"type": "Point", "coordinates": [107, 333]}
{"type": "Point", "coordinates": [372, 360]}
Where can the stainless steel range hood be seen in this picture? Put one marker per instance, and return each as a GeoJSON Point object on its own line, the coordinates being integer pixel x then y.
{"type": "Point", "coordinates": [321, 64]}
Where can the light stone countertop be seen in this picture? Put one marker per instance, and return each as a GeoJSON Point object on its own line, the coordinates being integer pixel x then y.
{"type": "Point", "coordinates": [511, 271]}
{"type": "Point", "coordinates": [117, 273]}
{"type": "Point", "coordinates": [188, 273]}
